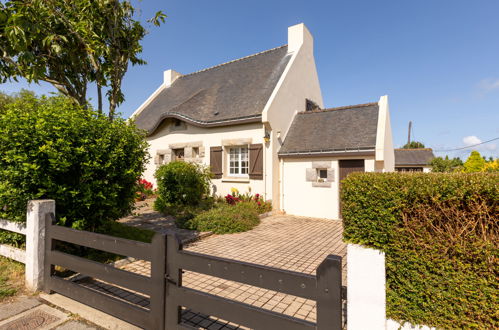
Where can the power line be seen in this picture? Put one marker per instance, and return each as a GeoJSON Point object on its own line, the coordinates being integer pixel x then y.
{"type": "Point", "coordinates": [471, 146]}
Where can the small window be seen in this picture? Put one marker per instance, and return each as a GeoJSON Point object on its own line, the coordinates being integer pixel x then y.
{"type": "Point", "coordinates": [195, 152]}
{"type": "Point", "coordinates": [321, 175]}
{"type": "Point", "coordinates": [177, 122]}
{"type": "Point", "coordinates": [179, 154]}
{"type": "Point", "coordinates": [238, 161]}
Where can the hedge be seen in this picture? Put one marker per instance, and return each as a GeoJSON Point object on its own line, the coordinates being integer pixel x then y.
{"type": "Point", "coordinates": [440, 235]}
{"type": "Point", "coordinates": [51, 148]}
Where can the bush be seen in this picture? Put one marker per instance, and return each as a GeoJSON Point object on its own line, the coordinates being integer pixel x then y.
{"type": "Point", "coordinates": [440, 234]}
{"type": "Point", "coordinates": [51, 148]}
{"type": "Point", "coordinates": [181, 186]}
{"type": "Point", "coordinates": [257, 201]}
{"type": "Point", "coordinates": [226, 218]}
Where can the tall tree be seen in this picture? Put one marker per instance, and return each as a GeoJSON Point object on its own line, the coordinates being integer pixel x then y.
{"type": "Point", "coordinates": [413, 145]}
{"type": "Point", "coordinates": [71, 44]}
{"type": "Point", "coordinates": [474, 163]}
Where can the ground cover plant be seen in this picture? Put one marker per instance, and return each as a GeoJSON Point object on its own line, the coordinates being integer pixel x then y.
{"type": "Point", "coordinates": [11, 278]}
{"type": "Point", "coordinates": [440, 235]}
{"type": "Point", "coordinates": [51, 148]}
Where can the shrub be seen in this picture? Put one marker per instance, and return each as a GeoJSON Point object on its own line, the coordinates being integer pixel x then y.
{"type": "Point", "coordinates": [181, 185]}
{"type": "Point", "coordinates": [51, 148]}
{"type": "Point", "coordinates": [226, 218]}
{"type": "Point", "coordinates": [440, 234]}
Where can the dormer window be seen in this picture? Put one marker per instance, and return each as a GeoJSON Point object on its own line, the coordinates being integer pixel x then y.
{"type": "Point", "coordinates": [311, 105]}
{"type": "Point", "coordinates": [177, 122]}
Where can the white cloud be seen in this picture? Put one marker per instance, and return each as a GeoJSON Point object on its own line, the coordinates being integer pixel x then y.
{"type": "Point", "coordinates": [486, 86]}
{"type": "Point", "coordinates": [473, 140]}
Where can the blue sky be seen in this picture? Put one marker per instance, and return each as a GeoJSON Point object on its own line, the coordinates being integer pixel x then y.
{"type": "Point", "coordinates": [437, 60]}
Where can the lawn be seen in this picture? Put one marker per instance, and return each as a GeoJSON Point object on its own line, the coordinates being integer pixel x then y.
{"type": "Point", "coordinates": [11, 278]}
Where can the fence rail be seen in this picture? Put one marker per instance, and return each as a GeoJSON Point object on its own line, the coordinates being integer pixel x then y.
{"type": "Point", "coordinates": [11, 251]}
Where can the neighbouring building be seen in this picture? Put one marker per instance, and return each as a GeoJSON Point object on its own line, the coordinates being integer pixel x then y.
{"type": "Point", "coordinates": [413, 160]}
{"type": "Point", "coordinates": [260, 123]}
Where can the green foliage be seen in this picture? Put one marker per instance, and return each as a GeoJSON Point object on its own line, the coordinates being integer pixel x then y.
{"type": "Point", "coordinates": [413, 145]}
{"type": "Point", "coordinates": [181, 185]}
{"type": "Point", "coordinates": [474, 163]}
{"type": "Point", "coordinates": [446, 164]}
{"type": "Point", "coordinates": [440, 234]}
{"type": "Point", "coordinates": [71, 44]}
{"type": "Point", "coordinates": [51, 148]}
{"type": "Point", "coordinates": [226, 218]}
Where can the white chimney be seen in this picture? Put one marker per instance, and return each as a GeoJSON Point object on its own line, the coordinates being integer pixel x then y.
{"type": "Point", "coordinates": [169, 76]}
{"type": "Point", "coordinates": [299, 35]}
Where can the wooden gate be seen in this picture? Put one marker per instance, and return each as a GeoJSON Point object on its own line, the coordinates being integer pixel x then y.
{"type": "Point", "coordinates": [153, 286]}
{"type": "Point", "coordinates": [168, 295]}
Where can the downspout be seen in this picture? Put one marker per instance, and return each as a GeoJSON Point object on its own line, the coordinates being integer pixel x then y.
{"type": "Point", "coordinates": [281, 181]}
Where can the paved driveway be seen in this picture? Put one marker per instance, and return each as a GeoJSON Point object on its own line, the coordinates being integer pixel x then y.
{"type": "Point", "coordinates": [287, 242]}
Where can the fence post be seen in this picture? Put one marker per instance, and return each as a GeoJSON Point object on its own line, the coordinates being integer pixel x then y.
{"type": "Point", "coordinates": [329, 307]}
{"type": "Point", "coordinates": [366, 295]}
{"type": "Point", "coordinates": [35, 241]}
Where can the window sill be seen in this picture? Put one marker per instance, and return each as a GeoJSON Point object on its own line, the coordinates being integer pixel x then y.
{"type": "Point", "coordinates": [236, 179]}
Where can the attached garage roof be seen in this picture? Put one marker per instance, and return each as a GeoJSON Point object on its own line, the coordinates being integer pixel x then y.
{"type": "Point", "coordinates": [229, 93]}
{"type": "Point", "coordinates": [413, 156]}
{"type": "Point", "coordinates": [344, 129]}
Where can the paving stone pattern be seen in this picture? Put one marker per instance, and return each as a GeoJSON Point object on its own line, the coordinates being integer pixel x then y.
{"type": "Point", "coordinates": [293, 243]}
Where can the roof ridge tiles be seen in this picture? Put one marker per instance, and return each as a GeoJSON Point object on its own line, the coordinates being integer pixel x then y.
{"type": "Point", "coordinates": [346, 107]}
{"type": "Point", "coordinates": [236, 60]}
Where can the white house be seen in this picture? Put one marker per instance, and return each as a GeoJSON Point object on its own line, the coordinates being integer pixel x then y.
{"type": "Point", "coordinates": [259, 122]}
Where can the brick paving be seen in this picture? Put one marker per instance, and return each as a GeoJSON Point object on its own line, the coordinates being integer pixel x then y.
{"type": "Point", "coordinates": [288, 242]}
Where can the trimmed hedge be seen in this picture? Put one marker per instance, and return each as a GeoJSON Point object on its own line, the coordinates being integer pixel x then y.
{"type": "Point", "coordinates": [440, 235]}
{"type": "Point", "coordinates": [51, 148]}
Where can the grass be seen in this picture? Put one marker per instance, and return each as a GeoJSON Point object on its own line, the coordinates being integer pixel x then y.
{"type": "Point", "coordinates": [11, 278]}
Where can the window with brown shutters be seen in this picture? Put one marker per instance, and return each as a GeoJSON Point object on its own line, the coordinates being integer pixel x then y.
{"type": "Point", "coordinates": [216, 162]}
{"type": "Point", "coordinates": [256, 161]}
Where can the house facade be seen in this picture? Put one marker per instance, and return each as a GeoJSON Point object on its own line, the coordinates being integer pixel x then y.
{"type": "Point", "coordinates": [241, 118]}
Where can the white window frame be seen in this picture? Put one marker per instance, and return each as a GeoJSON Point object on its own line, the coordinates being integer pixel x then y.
{"type": "Point", "coordinates": [236, 163]}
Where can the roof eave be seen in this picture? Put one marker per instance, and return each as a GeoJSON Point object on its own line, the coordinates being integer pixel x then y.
{"type": "Point", "coordinates": [327, 153]}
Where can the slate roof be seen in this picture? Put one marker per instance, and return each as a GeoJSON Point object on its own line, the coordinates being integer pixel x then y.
{"type": "Point", "coordinates": [350, 128]}
{"type": "Point", "coordinates": [413, 156]}
{"type": "Point", "coordinates": [229, 93]}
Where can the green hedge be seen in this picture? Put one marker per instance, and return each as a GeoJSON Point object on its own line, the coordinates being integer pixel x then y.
{"type": "Point", "coordinates": [51, 148]}
{"type": "Point", "coordinates": [440, 235]}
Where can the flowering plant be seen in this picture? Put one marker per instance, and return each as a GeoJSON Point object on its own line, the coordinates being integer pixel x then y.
{"type": "Point", "coordinates": [144, 189]}
{"type": "Point", "coordinates": [257, 200]}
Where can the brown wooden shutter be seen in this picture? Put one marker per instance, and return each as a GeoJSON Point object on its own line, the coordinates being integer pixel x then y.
{"type": "Point", "coordinates": [256, 161]}
{"type": "Point", "coordinates": [216, 162]}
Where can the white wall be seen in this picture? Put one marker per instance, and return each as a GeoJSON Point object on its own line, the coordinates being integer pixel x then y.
{"type": "Point", "coordinates": [366, 294]}
{"type": "Point", "coordinates": [210, 137]}
{"type": "Point", "coordinates": [299, 197]}
{"type": "Point", "coordinates": [385, 155]}
{"type": "Point", "coordinates": [298, 82]}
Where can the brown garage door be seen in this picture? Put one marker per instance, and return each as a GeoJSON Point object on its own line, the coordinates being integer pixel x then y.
{"type": "Point", "coordinates": [348, 166]}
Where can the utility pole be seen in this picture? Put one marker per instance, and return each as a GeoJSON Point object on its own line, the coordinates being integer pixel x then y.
{"type": "Point", "coordinates": [409, 133]}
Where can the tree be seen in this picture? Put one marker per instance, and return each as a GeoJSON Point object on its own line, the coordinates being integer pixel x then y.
{"type": "Point", "coordinates": [413, 145]}
{"type": "Point", "coordinates": [71, 44]}
{"type": "Point", "coordinates": [474, 163]}
{"type": "Point", "coordinates": [446, 164]}
{"type": "Point", "coordinates": [6, 99]}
